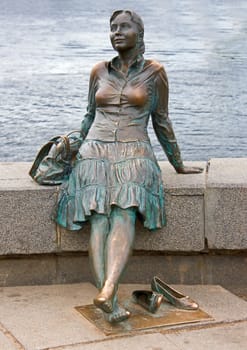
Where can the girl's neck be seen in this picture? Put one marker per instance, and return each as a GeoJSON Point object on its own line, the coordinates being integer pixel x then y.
{"type": "Point", "coordinates": [126, 59]}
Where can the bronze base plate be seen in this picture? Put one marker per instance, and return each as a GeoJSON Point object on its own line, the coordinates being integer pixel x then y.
{"type": "Point", "coordinates": [140, 319]}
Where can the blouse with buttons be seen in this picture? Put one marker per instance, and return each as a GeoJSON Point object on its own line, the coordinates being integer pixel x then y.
{"type": "Point", "coordinates": [119, 106]}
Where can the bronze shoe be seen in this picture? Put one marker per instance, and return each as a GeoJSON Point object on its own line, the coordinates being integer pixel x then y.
{"type": "Point", "coordinates": [173, 296]}
{"type": "Point", "coordinates": [149, 300]}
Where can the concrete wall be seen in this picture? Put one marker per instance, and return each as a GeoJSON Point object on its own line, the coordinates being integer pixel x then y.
{"type": "Point", "coordinates": [206, 214]}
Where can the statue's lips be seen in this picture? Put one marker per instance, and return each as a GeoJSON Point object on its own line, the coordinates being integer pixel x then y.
{"type": "Point", "coordinates": [119, 40]}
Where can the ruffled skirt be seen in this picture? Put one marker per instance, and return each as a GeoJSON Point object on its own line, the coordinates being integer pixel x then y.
{"type": "Point", "coordinates": [124, 174]}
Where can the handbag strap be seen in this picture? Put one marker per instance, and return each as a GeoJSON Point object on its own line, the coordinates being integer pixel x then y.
{"type": "Point", "coordinates": [73, 132]}
{"type": "Point", "coordinates": [66, 144]}
{"type": "Point", "coordinates": [76, 138]}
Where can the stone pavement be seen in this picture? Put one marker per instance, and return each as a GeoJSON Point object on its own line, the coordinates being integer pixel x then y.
{"type": "Point", "coordinates": [44, 318]}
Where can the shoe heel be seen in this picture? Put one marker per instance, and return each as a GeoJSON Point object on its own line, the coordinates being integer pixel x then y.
{"type": "Point", "coordinates": [149, 300]}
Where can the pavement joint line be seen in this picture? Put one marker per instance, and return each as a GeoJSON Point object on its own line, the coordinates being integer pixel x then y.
{"type": "Point", "coordinates": [208, 325]}
{"type": "Point", "coordinates": [11, 337]}
{"type": "Point", "coordinates": [151, 331]}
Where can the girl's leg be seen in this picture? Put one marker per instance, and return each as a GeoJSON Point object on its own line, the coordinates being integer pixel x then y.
{"type": "Point", "coordinates": [118, 247]}
{"type": "Point", "coordinates": [119, 242]}
{"type": "Point", "coordinates": [97, 242]}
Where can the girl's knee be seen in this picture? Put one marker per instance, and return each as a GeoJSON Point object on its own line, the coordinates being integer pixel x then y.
{"type": "Point", "coordinates": [99, 220]}
{"type": "Point", "coordinates": [128, 214]}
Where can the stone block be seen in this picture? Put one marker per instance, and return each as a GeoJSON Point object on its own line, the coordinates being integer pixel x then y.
{"type": "Point", "coordinates": [226, 204]}
{"type": "Point", "coordinates": [199, 268]}
{"type": "Point", "coordinates": [172, 268]}
{"type": "Point", "coordinates": [184, 198]}
{"type": "Point", "coordinates": [73, 268]}
{"type": "Point", "coordinates": [75, 241]}
{"type": "Point", "coordinates": [32, 270]}
{"type": "Point", "coordinates": [26, 226]}
{"type": "Point", "coordinates": [184, 230]}
{"type": "Point", "coordinates": [226, 270]}
{"type": "Point", "coordinates": [180, 184]}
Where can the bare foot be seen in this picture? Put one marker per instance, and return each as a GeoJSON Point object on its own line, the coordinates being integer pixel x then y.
{"type": "Point", "coordinates": [118, 315]}
{"type": "Point", "coordinates": [104, 300]}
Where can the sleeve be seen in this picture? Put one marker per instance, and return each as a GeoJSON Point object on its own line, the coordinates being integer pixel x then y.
{"type": "Point", "coordinates": [91, 107]}
{"type": "Point", "coordinates": [161, 122]}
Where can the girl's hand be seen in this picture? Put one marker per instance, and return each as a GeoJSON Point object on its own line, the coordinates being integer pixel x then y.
{"type": "Point", "coordinates": [189, 170]}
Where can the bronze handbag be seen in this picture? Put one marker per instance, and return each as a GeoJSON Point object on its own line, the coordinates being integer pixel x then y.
{"type": "Point", "coordinates": [54, 162]}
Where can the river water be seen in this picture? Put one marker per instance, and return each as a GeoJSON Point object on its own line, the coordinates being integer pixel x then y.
{"type": "Point", "coordinates": [48, 47]}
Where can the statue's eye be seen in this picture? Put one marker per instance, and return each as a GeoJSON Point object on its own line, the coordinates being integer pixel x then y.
{"type": "Point", "coordinates": [113, 27]}
{"type": "Point", "coordinates": [125, 26]}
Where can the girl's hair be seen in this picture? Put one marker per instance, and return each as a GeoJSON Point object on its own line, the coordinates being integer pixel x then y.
{"type": "Point", "coordinates": [135, 18]}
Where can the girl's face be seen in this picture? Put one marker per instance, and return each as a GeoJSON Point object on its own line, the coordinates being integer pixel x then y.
{"type": "Point", "coordinates": [124, 33]}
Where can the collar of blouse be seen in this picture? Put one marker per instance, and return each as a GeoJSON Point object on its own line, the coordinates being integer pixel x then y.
{"type": "Point", "coordinates": [136, 65]}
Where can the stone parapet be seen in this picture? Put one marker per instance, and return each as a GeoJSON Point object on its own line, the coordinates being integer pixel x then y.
{"type": "Point", "coordinates": [226, 204]}
{"type": "Point", "coordinates": [204, 211]}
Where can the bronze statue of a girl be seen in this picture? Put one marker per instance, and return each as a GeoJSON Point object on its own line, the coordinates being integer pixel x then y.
{"type": "Point", "coordinates": [116, 175]}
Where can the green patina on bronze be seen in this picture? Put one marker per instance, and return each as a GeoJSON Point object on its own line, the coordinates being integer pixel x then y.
{"type": "Point", "coordinates": [116, 176]}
